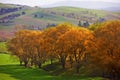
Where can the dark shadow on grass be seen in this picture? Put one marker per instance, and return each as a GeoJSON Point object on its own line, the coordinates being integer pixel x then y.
{"type": "Point", "coordinates": [22, 73]}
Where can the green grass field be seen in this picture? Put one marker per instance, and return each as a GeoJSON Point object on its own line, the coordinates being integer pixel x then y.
{"type": "Point", "coordinates": [10, 70]}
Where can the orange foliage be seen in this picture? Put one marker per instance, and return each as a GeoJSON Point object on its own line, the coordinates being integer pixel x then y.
{"type": "Point", "coordinates": [73, 43]}
{"type": "Point", "coordinates": [107, 49]}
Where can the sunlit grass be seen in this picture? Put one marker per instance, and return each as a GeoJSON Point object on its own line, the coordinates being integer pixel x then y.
{"type": "Point", "coordinates": [3, 47]}
{"type": "Point", "coordinates": [6, 59]}
{"type": "Point", "coordinates": [10, 70]}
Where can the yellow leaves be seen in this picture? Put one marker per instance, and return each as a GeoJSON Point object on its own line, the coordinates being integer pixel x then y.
{"type": "Point", "coordinates": [73, 42]}
{"type": "Point", "coordinates": [66, 39]}
{"type": "Point", "coordinates": [106, 46]}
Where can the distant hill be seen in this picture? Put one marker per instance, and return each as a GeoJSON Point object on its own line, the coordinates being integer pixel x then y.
{"type": "Point", "coordinates": [6, 6]}
{"type": "Point", "coordinates": [35, 17]}
{"type": "Point", "coordinates": [88, 4]}
{"type": "Point", "coordinates": [14, 17]}
{"type": "Point", "coordinates": [114, 9]}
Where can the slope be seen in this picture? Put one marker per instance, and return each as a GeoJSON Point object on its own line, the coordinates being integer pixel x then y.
{"type": "Point", "coordinates": [54, 15]}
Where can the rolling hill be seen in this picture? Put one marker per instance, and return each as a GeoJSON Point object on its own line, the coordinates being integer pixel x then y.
{"type": "Point", "coordinates": [12, 16]}
{"type": "Point", "coordinates": [100, 5]}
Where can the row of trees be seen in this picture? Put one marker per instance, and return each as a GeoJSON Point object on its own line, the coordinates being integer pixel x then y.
{"type": "Point", "coordinates": [10, 17]}
{"type": "Point", "coordinates": [71, 45]}
{"type": "Point", "coordinates": [9, 10]}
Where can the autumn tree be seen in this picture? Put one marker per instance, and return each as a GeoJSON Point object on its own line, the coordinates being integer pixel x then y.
{"type": "Point", "coordinates": [106, 49]}
{"type": "Point", "coordinates": [73, 43]}
{"type": "Point", "coordinates": [13, 48]}
{"type": "Point", "coordinates": [16, 47]}
{"type": "Point", "coordinates": [51, 35]}
{"type": "Point", "coordinates": [40, 45]}
{"type": "Point", "coordinates": [28, 46]}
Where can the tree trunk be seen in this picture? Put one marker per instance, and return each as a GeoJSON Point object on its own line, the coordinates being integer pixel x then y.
{"type": "Point", "coordinates": [31, 63]}
{"type": "Point", "coordinates": [51, 61]}
{"type": "Point", "coordinates": [63, 64]}
{"type": "Point", "coordinates": [77, 68]}
{"type": "Point", "coordinates": [39, 65]}
{"type": "Point", "coordinates": [63, 61]}
{"type": "Point", "coordinates": [25, 63]}
{"type": "Point", "coordinates": [20, 63]}
{"type": "Point", "coordinates": [71, 61]}
{"type": "Point", "coordinates": [20, 59]}
{"type": "Point", "coordinates": [116, 75]}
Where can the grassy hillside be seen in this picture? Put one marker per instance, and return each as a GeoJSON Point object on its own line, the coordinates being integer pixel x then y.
{"type": "Point", "coordinates": [10, 70]}
{"type": "Point", "coordinates": [52, 18]}
{"type": "Point", "coordinates": [6, 6]}
{"type": "Point", "coordinates": [55, 15]}
{"type": "Point", "coordinates": [79, 11]}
